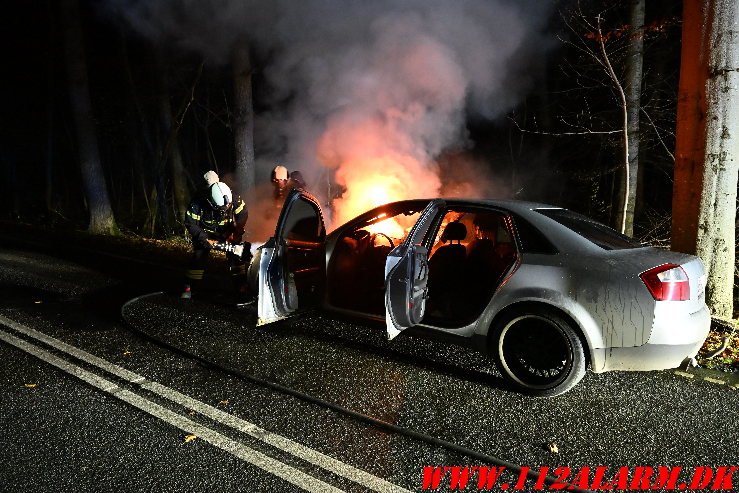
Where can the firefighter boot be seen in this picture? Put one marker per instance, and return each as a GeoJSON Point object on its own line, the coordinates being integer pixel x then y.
{"type": "Point", "coordinates": [186, 292]}
{"type": "Point", "coordinates": [193, 276]}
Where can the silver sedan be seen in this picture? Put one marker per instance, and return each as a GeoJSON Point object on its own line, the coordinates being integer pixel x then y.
{"type": "Point", "coordinates": [544, 291]}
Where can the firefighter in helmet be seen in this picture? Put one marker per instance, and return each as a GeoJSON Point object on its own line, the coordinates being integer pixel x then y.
{"type": "Point", "coordinates": [283, 182]}
{"type": "Point", "coordinates": [215, 221]}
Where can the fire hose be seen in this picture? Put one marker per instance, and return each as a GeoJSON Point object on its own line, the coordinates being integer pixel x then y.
{"type": "Point", "coordinates": [724, 344]}
{"type": "Point", "coordinates": [237, 249]}
{"type": "Point", "coordinates": [725, 340]}
{"type": "Point", "coordinates": [378, 423]}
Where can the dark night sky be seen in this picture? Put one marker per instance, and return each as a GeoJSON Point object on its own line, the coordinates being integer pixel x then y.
{"type": "Point", "coordinates": [36, 103]}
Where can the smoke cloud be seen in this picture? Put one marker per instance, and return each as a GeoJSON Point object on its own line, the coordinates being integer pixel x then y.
{"type": "Point", "coordinates": [367, 95]}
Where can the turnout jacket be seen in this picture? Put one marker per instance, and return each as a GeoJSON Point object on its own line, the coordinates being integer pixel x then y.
{"type": "Point", "coordinates": [294, 181]}
{"type": "Point", "coordinates": [203, 222]}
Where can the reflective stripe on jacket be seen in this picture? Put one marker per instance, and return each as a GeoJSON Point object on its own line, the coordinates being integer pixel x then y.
{"type": "Point", "coordinates": [204, 223]}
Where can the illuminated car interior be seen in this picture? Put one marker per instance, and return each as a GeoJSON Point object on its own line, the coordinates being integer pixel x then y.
{"type": "Point", "coordinates": [356, 272]}
{"type": "Point", "coordinates": [470, 253]}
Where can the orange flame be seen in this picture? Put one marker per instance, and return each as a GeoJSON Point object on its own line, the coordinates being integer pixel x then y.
{"type": "Point", "coordinates": [375, 163]}
{"type": "Point", "coordinates": [372, 182]}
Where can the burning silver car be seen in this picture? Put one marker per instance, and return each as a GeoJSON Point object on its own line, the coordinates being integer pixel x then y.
{"type": "Point", "coordinates": [544, 291]}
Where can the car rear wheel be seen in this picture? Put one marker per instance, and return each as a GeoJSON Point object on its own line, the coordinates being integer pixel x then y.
{"type": "Point", "coordinates": [539, 352]}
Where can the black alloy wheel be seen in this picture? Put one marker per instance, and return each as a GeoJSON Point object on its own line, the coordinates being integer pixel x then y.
{"type": "Point", "coordinates": [539, 352]}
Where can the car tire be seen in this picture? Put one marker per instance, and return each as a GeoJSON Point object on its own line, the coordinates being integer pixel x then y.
{"type": "Point", "coordinates": [538, 352]}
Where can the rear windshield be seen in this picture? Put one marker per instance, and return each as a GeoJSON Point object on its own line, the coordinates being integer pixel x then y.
{"type": "Point", "coordinates": [598, 233]}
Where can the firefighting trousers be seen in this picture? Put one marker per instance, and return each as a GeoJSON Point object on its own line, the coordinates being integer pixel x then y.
{"type": "Point", "coordinates": [196, 269]}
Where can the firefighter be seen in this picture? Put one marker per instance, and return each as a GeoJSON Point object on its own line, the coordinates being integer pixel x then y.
{"type": "Point", "coordinates": [284, 182]}
{"type": "Point", "coordinates": [215, 220]}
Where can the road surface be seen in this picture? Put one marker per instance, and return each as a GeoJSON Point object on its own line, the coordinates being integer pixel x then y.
{"type": "Point", "coordinates": [92, 402]}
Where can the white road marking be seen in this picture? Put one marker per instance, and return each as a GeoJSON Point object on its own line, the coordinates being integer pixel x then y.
{"type": "Point", "coordinates": [684, 374]}
{"type": "Point", "coordinates": [714, 380]}
{"type": "Point", "coordinates": [233, 447]}
{"type": "Point", "coordinates": [301, 451]}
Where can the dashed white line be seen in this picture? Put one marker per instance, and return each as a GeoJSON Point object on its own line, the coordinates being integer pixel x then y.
{"type": "Point", "coordinates": [319, 459]}
{"type": "Point", "coordinates": [714, 380]}
{"type": "Point", "coordinates": [684, 374]}
{"type": "Point", "coordinates": [211, 436]}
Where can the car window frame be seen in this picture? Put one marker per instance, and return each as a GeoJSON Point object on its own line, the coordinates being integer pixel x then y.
{"type": "Point", "coordinates": [552, 213]}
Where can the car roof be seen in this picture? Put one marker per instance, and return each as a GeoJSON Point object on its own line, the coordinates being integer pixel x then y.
{"type": "Point", "coordinates": [564, 238]}
{"type": "Point", "coordinates": [511, 204]}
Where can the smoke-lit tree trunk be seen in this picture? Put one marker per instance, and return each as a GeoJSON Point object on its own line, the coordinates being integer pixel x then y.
{"type": "Point", "coordinates": [180, 191]}
{"type": "Point", "coordinates": [177, 172]}
{"type": "Point", "coordinates": [93, 179]}
{"type": "Point", "coordinates": [142, 152]}
{"type": "Point", "coordinates": [12, 186]}
{"type": "Point", "coordinates": [706, 165]}
{"type": "Point", "coordinates": [169, 151]}
{"type": "Point", "coordinates": [243, 119]}
{"type": "Point", "coordinates": [166, 145]}
{"type": "Point", "coordinates": [632, 89]}
{"type": "Point", "coordinates": [49, 170]}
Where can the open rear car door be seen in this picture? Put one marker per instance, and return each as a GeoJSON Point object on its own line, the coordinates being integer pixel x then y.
{"type": "Point", "coordinates": [407, 272]}
{"type": "Point", "coordinates": [292, 266]}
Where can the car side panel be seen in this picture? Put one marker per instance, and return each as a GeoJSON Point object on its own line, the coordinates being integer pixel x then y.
{"type": "Point", "coordinates": [610, 289]}
{"type": "Point", "coordinates": [625, 328]}
{"type": "Point", "coordinates": [544, 279]}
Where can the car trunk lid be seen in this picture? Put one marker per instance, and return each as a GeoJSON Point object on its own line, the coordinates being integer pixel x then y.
{"type": "Point", "coordinates": [648, 258]}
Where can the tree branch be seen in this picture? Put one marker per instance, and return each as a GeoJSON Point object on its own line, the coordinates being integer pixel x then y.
{"type": "Point", "coordinates": [563, 134]}
{"type": "Point", "coordinates": [659, 136]}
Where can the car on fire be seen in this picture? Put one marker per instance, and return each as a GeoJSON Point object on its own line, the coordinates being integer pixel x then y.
{"type": "Point", "coordinates": [544, 291]}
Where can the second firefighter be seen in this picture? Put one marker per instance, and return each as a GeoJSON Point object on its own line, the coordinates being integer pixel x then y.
{"type": "Point", "coordinates": [215, 220]}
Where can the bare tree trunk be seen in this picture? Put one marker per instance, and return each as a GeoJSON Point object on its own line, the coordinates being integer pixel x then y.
{"type": "Point", "coordinates": [626, 191]}
{"type": "Point", "coordinates": [141, 152]}
{"type": "Point", "coordinates": [101, 214]}
{"type": "Point", "coordinates": [49, 171]}
{"type": "Point", "coordinates": [243, 120]}
{"type": "Point", "coordinates": [706, 166]}
{"type": "Point", "coordinates": [632, 90]}
{"type": "Point", "coordinates": [179, 186]}
{"type": "Point", "coordinates": [170, 150]}
{"type": "Point", "coordinates": [176, 168]}
{"type": "Point", "coordinates": [11, 185]}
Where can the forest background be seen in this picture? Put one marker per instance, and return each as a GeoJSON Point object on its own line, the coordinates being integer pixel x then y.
{"type": "Point", "coordinates": [115, 108]}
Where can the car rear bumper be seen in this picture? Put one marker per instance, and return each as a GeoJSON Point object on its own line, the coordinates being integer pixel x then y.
{"type": "Point", "coordinates": [673, 339]}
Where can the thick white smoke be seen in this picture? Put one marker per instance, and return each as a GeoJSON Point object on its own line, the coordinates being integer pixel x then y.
{"type": "Point", "coordinates": [363, 89]}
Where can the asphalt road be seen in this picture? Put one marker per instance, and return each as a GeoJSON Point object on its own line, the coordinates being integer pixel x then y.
{"type": "Point", "coordinates": [91, 402]}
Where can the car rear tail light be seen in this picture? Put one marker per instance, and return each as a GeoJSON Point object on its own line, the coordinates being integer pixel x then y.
{"type": "Point", "coordinates": [667, 282]}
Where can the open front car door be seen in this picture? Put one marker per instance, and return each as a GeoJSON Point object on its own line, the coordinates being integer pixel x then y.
{"type": "Point", "coordinates": [293, 263]}
{"type": "Point", "coordinates": [407, 271]}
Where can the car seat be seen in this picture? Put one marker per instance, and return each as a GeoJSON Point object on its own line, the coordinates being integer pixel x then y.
{"type": "Point", "coordinates": [450, 257]}
{"type": "Point", "coordinates": [446, 270]}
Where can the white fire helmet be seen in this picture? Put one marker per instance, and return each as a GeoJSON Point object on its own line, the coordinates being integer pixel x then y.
{"type": "Point", "coordinates": [220, 194]}
{"type": "Point", "coordinates": [280, 173]}
{"type": "Point", "coordinates": [211, 177]}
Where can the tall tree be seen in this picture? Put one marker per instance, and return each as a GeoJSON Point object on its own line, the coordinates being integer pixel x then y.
{"type": "Point", "coordinates": [180, 192]}
{"type": "Point", "coordinates": [632, 90]}
{"type": "Point", "coordinates": [243, 119]}
{"type": "Point", "coordinates": [603, 60]}
{"type": "Point", "coordinates": [707, 148]}
{"type": "Point", "coordinates": [93, 178]}
{"type": "Point", "coordinates": [170, 151]}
